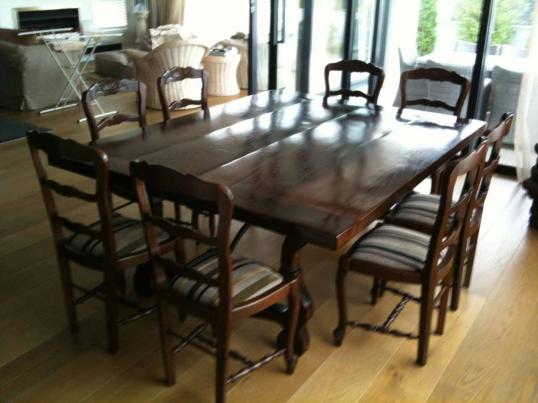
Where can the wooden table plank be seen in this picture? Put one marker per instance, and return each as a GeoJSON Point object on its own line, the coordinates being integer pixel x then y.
{"type": "Point", "coordinates": [328, 183]}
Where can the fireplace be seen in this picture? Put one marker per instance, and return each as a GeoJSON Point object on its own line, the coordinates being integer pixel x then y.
{"type": "Point", "coordinates": [33, 20]}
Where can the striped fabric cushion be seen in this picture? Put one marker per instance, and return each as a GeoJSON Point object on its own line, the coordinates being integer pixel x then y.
{"type": "Point", "coordinates": [129, 234]}
{"type": "Point", "coordinates": [249, 280]}
{"type": "Point", "coordinates": [393, 247]}
{"type": "Point", "coordinates": [418, 208]}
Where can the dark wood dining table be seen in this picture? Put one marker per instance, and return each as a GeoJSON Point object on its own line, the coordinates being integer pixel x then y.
{"type": "Point", "coordinates": [318, 175]}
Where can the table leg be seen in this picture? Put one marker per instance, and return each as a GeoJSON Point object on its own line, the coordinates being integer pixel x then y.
{"type": "Point", "coordinates": [290, 263]}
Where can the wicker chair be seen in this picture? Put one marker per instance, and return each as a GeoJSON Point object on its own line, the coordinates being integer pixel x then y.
{"type": "Point", "coordinates": [179, 53]}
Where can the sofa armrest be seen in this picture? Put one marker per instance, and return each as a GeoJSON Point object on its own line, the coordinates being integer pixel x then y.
{"type": "Point", "coordinates": [139, 59]}
{"type": "Point", "coordinates": [135, 54]}
{"type": "Point", "coordinates": [11, 57]}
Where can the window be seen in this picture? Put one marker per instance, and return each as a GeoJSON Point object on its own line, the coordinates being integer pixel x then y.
{"type": "Point", "coordinates": [109, 14]}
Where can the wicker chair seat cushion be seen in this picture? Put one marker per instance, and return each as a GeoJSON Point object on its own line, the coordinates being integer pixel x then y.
{"type": "Point", "coordinates": [249, 280]}
{"type": "Point", "coordinates": [128, 232]}
{"type": "Point", "coordinates": [393, 247]}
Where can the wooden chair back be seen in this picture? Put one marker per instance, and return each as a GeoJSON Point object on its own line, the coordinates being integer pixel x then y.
{"type": "Point", "coordinates": [493, 140]}
{"type": "Point", "coordinates": [168, 185]}
{"type": "Point", "coordinates": [57, 148]}
{"type": "Point", "coordinates": [452, 213]}
{"type": "Point", "coordinates": [439, 75]}
{"type": "Point", "coordinates": [354, 66]}
{"type": "Point", "coordinates": [176, 74]}
{"type": "Point", "coordinates": [108, 87]}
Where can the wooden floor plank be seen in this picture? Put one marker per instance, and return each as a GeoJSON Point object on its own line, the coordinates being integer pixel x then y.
{"type": "Point", "coordinates": [498, 360]}
{"type": "Point", "coordinates": [402, 380]}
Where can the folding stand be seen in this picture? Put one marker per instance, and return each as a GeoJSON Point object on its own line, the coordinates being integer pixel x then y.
{"type": "Point", "coordinates": [72, 68]}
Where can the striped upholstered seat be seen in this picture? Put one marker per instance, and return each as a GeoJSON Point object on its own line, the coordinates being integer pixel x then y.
{"type": "Point", "coordinates": [418, 208]}
{"type": "Point", "coordinates": [249, 280]}
{"type": "Point", "coordinates": [394, 247]}
{"type": "Point", "coordinates": [128, 232]}
{"type": "Point", "coordinates": [418, 211]}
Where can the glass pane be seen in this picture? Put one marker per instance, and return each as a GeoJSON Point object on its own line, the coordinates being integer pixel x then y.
{"type": "Point", "coordinates": [506, 59]}
{"type": "Point", "coordinates": [363, 30]}
{"type": "Point", "coordinates": [327, 41]}
{"type": "Point", "coordinates": [291, 13]}
{"type": "Point", "coordinates": [430, 33]}
{"type": "Point", "coordinates": [362, 40]}
{"type": "Point", "coordinates": [263, 14]}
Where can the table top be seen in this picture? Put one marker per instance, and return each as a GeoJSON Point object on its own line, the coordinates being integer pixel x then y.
{"type": "Point", "coordinates": [295, 167]}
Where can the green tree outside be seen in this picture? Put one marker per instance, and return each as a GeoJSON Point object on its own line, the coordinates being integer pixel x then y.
{"type": "Point", "coordinates": [508, 13]}
{"type": "Point", "coordinates": [426, 27]}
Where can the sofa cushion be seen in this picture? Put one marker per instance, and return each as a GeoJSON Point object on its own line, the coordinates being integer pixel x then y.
{"type": "Point", "coordinates": [167, 33]}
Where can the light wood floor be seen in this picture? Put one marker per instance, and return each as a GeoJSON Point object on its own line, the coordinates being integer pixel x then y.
{"type": "Point", "coordinates": [489, 351]}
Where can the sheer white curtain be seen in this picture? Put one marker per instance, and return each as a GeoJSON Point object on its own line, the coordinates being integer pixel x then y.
{"type": "Point", "coordinates": [526, 130]}
{"type": "Point", "coordinates": [167, 12]}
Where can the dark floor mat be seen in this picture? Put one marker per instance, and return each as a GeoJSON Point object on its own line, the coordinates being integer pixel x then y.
{"type": "Point", "coordinates": [11, 129]}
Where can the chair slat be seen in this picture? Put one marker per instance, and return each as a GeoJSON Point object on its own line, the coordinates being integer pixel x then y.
{"type": "Point", "coordinates": [176, 74]}
{"type": "Point", "coordinates": [431, 103]}
{"type": "Point", "coordinates": [69, 191]}
{"type": "Point", "coordinates": [78, 228]}
{"type": "Point", "coordinates": [354, 66]}
{"type": "Point", "coordinates": [182, 231]}
{"type": "Point", "coordinates": [108, 87]}
{"type": "Point", "coordinates": [439, 75]}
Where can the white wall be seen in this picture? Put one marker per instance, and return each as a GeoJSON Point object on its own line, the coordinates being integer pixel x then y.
{"type": "Point", "coordinates": [215, 20]}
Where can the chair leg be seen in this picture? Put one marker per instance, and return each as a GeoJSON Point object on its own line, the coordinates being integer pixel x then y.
{"type": "Point", "coordinates": [340, 330]}
{"type": "Point", "coordinates": [212, 224]}
{"type": "Point", "coordinates": [166, 345]}
{"type": "Point", "coordinates": [375, 290]}
{"type": "Point", "coordinates": [382, 285]}
{"type": "Point", "coordinates": [426, 308]}
{"type": "Point", "coordinates": [294, 301]}
{"type": "Point", "coordinates": [177, 211]}
{"type": "Point", "coordinates": [443, 305]}
{"type": "Point", "coordinates": [111, 313]}
{"type": "Point", "coordinates": [121, 282]}
{"type": "Point", "coordinates": [223, 351]}
{"type": "Point", "coordinates": [458, 274]}
{"type": "Point", "coordinates": [436, 181]}
{"type": "Point", "coordinates": [195, 221]}
{"type": "Point", "coordinates": [65, 274]}
{"type": "Point", "coordinates": [470, 261]}
{"type": "Point", "coordinates": [378, 289]}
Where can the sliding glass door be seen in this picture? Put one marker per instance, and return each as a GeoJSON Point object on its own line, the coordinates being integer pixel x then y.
{"type": "Point", "coordinates": [506, 58]}
{"type": "Point", "coordinates": [362, 39]}
{"type": "Point", "coordinates": [278, 29]}
{"type": "Point", "coordinates": [430, 33]}
{"type": "Point", "coordinates": [295, 39]}
{"type": "Point", "coordinates": [484, 40]}
{"type": "Point", "coordinates": [328, 27]}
